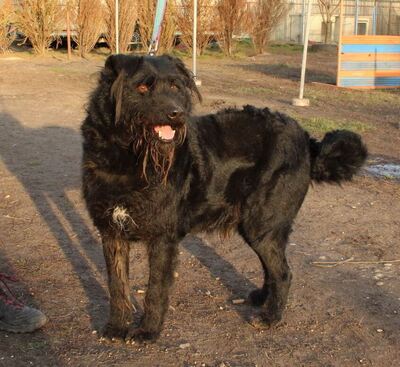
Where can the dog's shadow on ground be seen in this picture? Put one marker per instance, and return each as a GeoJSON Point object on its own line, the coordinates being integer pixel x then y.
{"type": "Point", "coordinates": [237, 284]}
{"type": "Point", "coordinates": [37, 157]}
{"type": "Point", "coordinates": [220, 268]}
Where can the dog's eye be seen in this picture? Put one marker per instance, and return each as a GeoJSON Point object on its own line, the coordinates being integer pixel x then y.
{"type": "Point", "coordinates": [174, 86]}
{"type": "Point", "coordinates": [142, 88]}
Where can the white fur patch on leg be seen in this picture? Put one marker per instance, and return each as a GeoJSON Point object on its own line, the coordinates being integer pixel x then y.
{"type": "Point", "coordinates": [121, 218]}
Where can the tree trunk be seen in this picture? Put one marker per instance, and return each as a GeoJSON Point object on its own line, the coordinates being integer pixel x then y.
{"type": "Point", "coordinates": [328, 31]}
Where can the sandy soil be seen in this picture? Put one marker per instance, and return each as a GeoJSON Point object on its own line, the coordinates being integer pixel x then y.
{"type": "Point", "coordinates": [345, 315]}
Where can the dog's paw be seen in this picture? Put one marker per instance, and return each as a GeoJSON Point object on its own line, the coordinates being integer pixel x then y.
{"type": "Point", "coordinates": [265, 320]}
{"type": "Point", "coordinates": [270, 319]}
{"type": "Point", "coordinates": [113, 333]}
{"type": "Point", "coordinates": [257, 297]}
{"type": "Point", "coordinates": [138, 334]}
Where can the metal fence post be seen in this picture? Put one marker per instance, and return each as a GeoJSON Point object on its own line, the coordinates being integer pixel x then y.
{"type": "Point", "coordinates": [116, 27]}
{"type": "Point", "coordinates": [356, 18]}
{"type": "Point", "coordinates": [194, 39]}
{"type": "Point", "coordinates": [301, 101]}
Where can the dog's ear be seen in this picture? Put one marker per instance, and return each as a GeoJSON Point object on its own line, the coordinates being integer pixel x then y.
{"type": "Point", "coordinates": [116, 94]}
{"type": "Point", "coordinates": [115, 64]}
{"type": "Point", "coordinates": [188, 77]}
{"type": "Point", "coordinates": [117, 67]}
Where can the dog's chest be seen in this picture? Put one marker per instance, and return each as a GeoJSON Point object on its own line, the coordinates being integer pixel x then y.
{"type": "Point", "coordinates": [139, 215]}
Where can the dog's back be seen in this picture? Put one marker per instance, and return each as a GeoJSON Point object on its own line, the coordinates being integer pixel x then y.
{"type": "Point", "coordinates": [249, 133]}
{"type": "Point", "coordinates": [243, 158]}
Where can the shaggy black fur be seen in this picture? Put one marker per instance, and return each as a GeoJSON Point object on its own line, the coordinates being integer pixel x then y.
{"type": "Point", "coordinates": [153, 173]}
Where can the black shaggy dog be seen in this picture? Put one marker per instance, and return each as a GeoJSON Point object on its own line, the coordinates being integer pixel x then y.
{"type": "Point", "coordinates": [153, 173]}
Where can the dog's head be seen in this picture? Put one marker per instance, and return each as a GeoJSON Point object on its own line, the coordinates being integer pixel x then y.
{"type": "Point", "coordinates": [152, 95]}
{"type": "Point", "coordinates": [151, 100]}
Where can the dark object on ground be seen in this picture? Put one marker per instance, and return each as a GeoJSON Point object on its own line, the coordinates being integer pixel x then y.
{"type": "Point", "coordinates": [14, 316]}
{"type": "Point", "coordinates": [152, 173]}
{"type": "Point", "coordinates": [324, 47]}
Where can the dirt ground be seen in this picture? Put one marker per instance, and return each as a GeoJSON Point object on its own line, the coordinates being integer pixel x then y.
{"type": "Point", "coordinates": [345, 315]}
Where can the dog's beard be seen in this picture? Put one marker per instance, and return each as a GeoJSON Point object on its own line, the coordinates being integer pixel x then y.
{"type": "Point", "coordinates": [155, 153]}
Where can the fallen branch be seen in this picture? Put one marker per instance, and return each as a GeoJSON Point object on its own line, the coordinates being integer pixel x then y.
{"type": "Point", "coordinates": [332, 264]}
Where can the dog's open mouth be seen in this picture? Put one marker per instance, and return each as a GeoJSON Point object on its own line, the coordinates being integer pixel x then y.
{"type": "Point", "coordinates": [165, 132]}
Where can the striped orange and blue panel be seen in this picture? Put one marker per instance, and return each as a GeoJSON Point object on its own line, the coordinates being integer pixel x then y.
{"type": "Point", "coordinates": [369, 62]}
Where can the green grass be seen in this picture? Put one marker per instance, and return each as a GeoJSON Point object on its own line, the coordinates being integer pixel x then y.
{"type": "Point", "coordinates": [321, 125]}
{"type": "Point", "coordinates": [244, 48]}
{"type": "Point", "coordinates": [207, 54]}
{"type": "Point", "coordinates": [241, 48]}
{"type": "Point", "coordinates": [380, 96]}
{"type": "Point", "coordinates": [284, 48]}
{"type": "Point", "coordinates": [363, 98]}
{"type": "Point", "coordinates": [212, 53]}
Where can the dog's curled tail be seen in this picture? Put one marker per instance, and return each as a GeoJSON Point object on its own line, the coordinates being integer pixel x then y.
{"type": "Point", "coordinates": [339, 155]}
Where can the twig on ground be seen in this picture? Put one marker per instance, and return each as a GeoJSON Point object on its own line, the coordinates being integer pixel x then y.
{"type": "Point", "coordinates": [332, 264]}
{"type": "Point", "coordinates": [11, 217]}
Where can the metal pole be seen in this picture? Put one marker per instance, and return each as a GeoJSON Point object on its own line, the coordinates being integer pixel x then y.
{"type": "Point", "coordinates": [195, 39]}
{"type": "Point", "coordinates": [116, 27]}
{"type": "Point", "coordinates": [356, 19]}
{"type": "Point", "coordinates": [305, 49]}
{"type": "Point", "coordinates": [339, 63]}
{"type": "Point", "coordinates": [374, 19]}
{"type": "Point", "coordinates": [300, 102]}
{"type": "Point", "coordinates": [303, 15]}
{"type": "Point", "coordinates": [68, 33]}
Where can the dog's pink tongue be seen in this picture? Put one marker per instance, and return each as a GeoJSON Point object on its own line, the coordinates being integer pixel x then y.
{"type": "Point", "coordinates": [165, 132]}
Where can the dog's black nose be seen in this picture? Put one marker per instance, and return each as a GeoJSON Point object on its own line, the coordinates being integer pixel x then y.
{"type": "Point", "coordinates": [175, 114]}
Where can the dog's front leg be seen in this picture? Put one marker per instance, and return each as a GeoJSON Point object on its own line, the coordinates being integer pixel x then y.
{"type": "Point", "coordinates": [116, 254]}
{"type": "Point", "coordinates": [162, 262]}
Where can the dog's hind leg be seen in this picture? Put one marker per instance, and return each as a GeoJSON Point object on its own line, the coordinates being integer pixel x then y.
{"type": "Point", "coordinates": [270, 249]}
{"type": "Point", "coordinates": [116, 254]}
{"type": "Point", "coordinates": [162, 262]}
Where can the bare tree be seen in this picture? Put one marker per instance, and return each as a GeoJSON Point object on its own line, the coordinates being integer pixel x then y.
{"type": "Point", "coordinates": [7, 35]}
{"type": "Point", "coordinates": [39, 21]}
{"type": "Point", "coordinates": [232, 17]}
{"type": "Point", "coordinates": [147, 10]}
{"type": "Point", "coordinates": [327, 9]}
{"type": "Point", "coordinates": [128, 13]}
{"type": "Point", "coordinates": [88, 22]}
{"type": "Point", "coordinates": [205, 23]}
{"type": "Point", "coordinates": [264, 16]}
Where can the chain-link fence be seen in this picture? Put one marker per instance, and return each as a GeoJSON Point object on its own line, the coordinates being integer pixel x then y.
{"type": "Point", "coordinates": [362, 17]}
